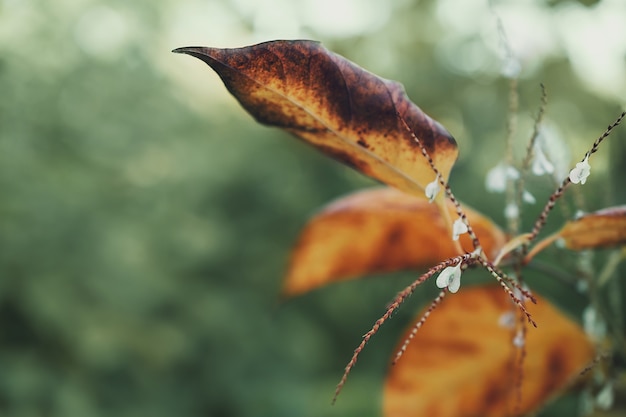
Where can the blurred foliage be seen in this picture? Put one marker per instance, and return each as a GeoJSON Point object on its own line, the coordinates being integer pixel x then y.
{"type": "Point", "coordinates": [143, 238]}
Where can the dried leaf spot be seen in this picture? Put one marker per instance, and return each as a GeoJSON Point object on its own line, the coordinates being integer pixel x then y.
{"type": "Point", "coordinates": [396, 236]}
{"type": "Point", "coordinates": [556, 365]}
{"type": "Point", "coordinates": [495, 394]}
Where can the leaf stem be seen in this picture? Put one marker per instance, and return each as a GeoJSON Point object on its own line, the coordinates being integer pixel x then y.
{"type": "Point", "coordinates": [529, 154]}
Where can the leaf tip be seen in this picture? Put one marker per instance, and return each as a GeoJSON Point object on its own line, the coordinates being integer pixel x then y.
{"type": "Point", "coordinates": [186, 49]}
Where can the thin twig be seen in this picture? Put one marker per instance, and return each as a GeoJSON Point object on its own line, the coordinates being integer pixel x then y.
{"type": "Point", "coordinates": [511, 127]}
{"type": "Point", "coordinates": [501, 281]}
{"type": "Point", "coordinates": [533, 139]}
{"type": "Point", "coordinates": [419, 325]}
{"type": "Point", "coordinates": [393, 306]}
{"type": "Point", "coordinates": [443, 183]}
{"type": "Point", "coordinates": [543, 217]}
{"type": "Point", "coordinates": [520, 367]}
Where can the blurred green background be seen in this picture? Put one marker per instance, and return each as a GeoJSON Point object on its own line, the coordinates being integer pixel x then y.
{"type": "Point", "coordinates": [146, 220]}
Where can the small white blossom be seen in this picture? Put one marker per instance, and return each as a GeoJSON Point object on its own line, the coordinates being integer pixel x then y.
{"type": "Point", "coordinates": [528, 197]}
{"type": "Point", "coordinates": [555, 149]}
{"type": "Point", "coordinates": [519, 340]}
{"type": "Point", "coordinates": [581, 172]}
{"type": "Point", "coordinates": [507, 320]}
{"type": "Point", "coordinates": [541, 165]}
{"type": "Point", "coordinates": [511, 68]}
{"type": "Point", "coordinates": [450, 277]}
{"type": "Point", "coordinates": [511, 211]}
{"type": "Point", "coordinates": [497, 176]}
{"type": "Point", "coordinates": [432, 189]}
{"type": "Point", "coordinates": [458, 228]}
{"type": "Point", "coordinates": [593, 323]}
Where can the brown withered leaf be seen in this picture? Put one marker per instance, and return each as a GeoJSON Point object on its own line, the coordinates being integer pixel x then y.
{"type": "Point", "coordinates": [378, 230]}
{"type": "Point", "coordinates": [336, 106]}
{"type": "Point", "coordinates": [604, 228]}
{"type": "Point", "coordinates": [462, 363]}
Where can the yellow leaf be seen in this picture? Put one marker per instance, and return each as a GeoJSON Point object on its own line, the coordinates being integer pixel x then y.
{"type": "Point", "coordinates": [336, 106]}
{"type": "Point", "coordinates": [461, 363]}
{"type": "Point", "coordinates": [378, 230]}
{"type": "Point", "coordinates": [600, 229]}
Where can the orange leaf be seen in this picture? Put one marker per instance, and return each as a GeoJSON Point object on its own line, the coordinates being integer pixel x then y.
{"type": "Point", "coordinates": [378, 230]}
{"type": "Point", "coordinates": [600, 229]}
{"type": "Point", "coordinates": [460, 364]}
{"type": "Point", "coordinates": [336, 106]}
